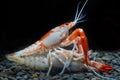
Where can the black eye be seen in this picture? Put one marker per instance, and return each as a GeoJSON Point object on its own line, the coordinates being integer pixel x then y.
{"type": "Point", "coordinates": [67, 24]}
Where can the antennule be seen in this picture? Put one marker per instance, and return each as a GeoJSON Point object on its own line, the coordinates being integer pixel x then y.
{"type": "Point", "coordinates": [79, 16]}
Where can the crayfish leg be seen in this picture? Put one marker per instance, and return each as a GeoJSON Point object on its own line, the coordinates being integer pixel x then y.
{"type": "Point", "coordinates": [79, 35]}
{"type": "Point", "coordinates": [50, 62]}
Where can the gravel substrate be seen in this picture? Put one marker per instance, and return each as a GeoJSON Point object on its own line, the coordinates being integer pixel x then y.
{"type": "Point", "coordinates": [12, 71]}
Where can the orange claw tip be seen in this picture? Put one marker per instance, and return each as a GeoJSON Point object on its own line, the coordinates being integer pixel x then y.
{"type": "Point", "coordinates": [105, 68]}
{"type": "Point", "coordinates": [101, 67]}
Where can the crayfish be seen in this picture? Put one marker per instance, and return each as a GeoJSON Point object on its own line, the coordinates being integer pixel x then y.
{"type": "Point", "coordinates": [49, 51]}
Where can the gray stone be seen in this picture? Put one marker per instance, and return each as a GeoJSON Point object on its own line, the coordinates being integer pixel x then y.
{"type": "Point", "coordinates": [35, 78]}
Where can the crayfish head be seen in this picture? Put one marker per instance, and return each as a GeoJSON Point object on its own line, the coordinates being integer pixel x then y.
{"type": "Point", "coordinates": [68, 25]}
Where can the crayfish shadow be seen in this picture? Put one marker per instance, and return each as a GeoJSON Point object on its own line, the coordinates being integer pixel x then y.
{"type": "Point", "coordinates": [70, 47]}
{"type": "Point", "coordinates": [68, 71]}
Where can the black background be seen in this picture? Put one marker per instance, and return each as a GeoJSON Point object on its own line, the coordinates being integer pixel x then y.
{"type": "Point", "coordinates": [29, 20]}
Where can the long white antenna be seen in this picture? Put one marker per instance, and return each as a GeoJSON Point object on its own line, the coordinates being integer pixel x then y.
{"type": "Point", "coordinates": [79, 15]}
{"type": "Point", "coordinates": [77, 11]}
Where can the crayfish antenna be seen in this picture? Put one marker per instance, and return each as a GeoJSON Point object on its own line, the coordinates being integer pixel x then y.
{"type": "Point", "coordinates": [79, 16]}
{"type": "Point", "coordinates": [100, 66]}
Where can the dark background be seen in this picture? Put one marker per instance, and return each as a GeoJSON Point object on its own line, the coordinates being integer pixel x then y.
{"type": "Point", "coordinates": [29, 20]}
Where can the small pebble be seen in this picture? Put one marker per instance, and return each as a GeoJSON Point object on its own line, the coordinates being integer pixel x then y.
{"type": "Point", "coordinates": [5, 78]}
{"type": "Point", "coordinates": [70, 78]}
{"type": "Point", "coordinates": [118, 77]}
{"type": "Point", "coordinates": [34, 76]}
{"type": "Point", "coordinates": [105, 58]}
{"type": "Point", "coordinates": [86, 79]}
{"type": "Point", "coordinates": [20, 73]}
{"type": "Point", "coordinates": [18, 77]}
{"type": "Point", "coordinates": [89, 74]}
{"type": "Point", "coordinates": [118, 70]}
{"type": "Point", "coordinates": [25, 76]}
{"type": "Point", "coordinates": [11, 78]}
{"type": "Point", "coordinates": [114, 62]}
{"type": "Point", "coordinates": [35, 79]}
{"type": "Point", "coordinates": [78, 76]}
{"type": "Point", "coordinates": [1, 78]}
{"type": "Point", "coordinates": [95, 78]}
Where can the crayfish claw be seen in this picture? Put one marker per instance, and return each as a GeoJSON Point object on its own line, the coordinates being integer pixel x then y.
{"type": "Point", "coordinates": [101, 67]}
{"type": "Point", "coordinates": [105, 68]}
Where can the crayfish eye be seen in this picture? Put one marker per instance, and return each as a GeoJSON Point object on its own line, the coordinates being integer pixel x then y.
{"type": "Point", "coordinates": [67, 24]}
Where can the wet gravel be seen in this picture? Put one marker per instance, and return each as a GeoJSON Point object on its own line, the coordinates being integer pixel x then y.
{"type": "Point", "coordinates": [13, 71]}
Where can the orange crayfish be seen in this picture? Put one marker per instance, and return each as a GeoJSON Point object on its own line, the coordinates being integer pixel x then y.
{"type": "Point", "coordinates": [49, 51]}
